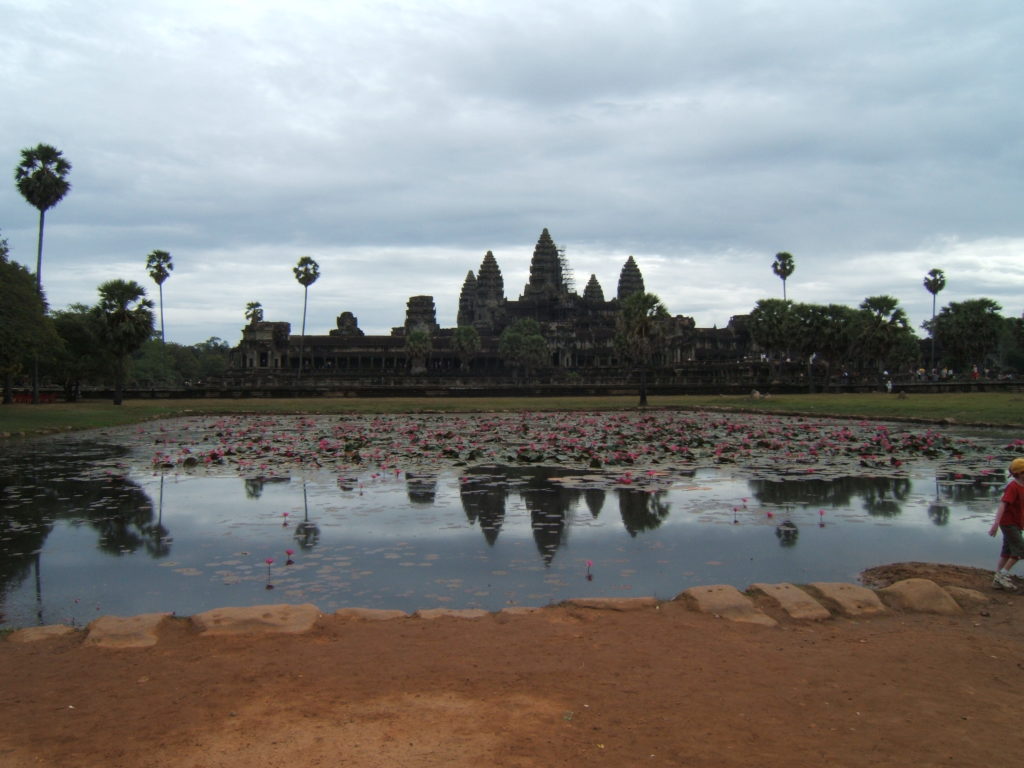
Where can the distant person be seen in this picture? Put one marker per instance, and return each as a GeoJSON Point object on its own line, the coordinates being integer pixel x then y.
{"type": "Point", "coordinates": [1010, 520]}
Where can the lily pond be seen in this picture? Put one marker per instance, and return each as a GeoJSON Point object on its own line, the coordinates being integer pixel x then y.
{"type": "Point", "coordinates": [476, 511]}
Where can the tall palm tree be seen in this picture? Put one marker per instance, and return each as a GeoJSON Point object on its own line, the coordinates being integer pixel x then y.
{"type": "Point", "coordinates": [41, 178]}
{"type": "Point", "coordinates": [160, 266]}
{"type": "Point", "coordinates": [934, 282]}
{"type": "Point", "coordinates": [638, 332]}
{"type": "Point", "coordinates": [783, 267]}
{"type": "Point", "coordinates": [254, 312]}
{"type": "Point", "coordinates": [306, 272]}
{"type": "Point", "coordinates": [126, 322]}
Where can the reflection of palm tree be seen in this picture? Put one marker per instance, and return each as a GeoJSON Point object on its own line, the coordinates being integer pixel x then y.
{"type": "Point", "coordinates": [158, 543]}
{"type": "Point", "coordinates": [253, 487]}
{"type": "Point", "coordinates": [307, 534]}
{"type": "Point", "coordinates": [642, 510]}
{"type": "Point", "coordinates": [884, 494]}
{"type": "Point", "coordinates": [939, 513]}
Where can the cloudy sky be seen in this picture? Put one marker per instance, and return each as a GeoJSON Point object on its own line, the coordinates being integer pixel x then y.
{"type": "Point", "coordinates": [396, 142]}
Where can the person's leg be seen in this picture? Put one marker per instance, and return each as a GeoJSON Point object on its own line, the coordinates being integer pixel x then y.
{"type": "Point", "coordinates": [1013, 549]}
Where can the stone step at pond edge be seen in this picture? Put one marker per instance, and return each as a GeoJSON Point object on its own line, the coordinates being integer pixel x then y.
{"type": "Point", "coordinates": [817, 601]}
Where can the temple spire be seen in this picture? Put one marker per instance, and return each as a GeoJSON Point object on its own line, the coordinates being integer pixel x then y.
{"type": "Point", "coordinates": [593, 293]}
{"type": "Point", "coordinates": [630, 279]}
{"type": "Point", "coordinates": [467, 300]}
{"type": "Point", "coordinates": [490, 286]}
{"type": "Point", "coordinates": [545, 270]}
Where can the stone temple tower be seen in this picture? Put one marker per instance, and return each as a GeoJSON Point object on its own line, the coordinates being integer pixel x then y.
{"type": "Point", "coordinates": [630, 279]}
{"type": "Point", "coordinates": [546, 279]}
{"type": "Point", "coordinates": [482, 301]}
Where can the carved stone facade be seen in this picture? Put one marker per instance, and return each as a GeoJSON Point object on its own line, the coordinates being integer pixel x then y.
{"type": "Point", "coordinates": [579, 331]}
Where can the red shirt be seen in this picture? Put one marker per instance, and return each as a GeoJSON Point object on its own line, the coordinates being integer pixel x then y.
{"type": "Point", "coordinates": [1013, 498]}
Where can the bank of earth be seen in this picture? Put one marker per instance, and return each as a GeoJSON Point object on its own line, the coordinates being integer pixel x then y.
{"type": "Point", "coordinates": [568, 685]}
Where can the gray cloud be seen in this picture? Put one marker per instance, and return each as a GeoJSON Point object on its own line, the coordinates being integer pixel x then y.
{"type": "Point", "coordinates": [397, 142]}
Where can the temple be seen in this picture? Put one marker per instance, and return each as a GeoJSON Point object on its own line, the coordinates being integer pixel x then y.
{"type": "Point", "coordinates": [578, 330]}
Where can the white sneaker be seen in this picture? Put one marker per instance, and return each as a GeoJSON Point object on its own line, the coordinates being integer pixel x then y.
{"type": "Point", "coordinates": [1003, 581]}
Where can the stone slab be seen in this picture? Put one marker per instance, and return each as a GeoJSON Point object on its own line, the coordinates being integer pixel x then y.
{"type": "Point", "coordinates": [370, 614]}
{"type": "Point", "coordinates": [850, 600]}
{"type": "Point", "coordinates": [258, 619]}
{"type": "Point", "coordinates": [727, 602]}
{"type": "Point", "coordinates": [439, 613]}
{"type": "Point", "coordinates": [126, 632]}
{"type": "Point", "coordinates": [920, 596]}
{"type": "Point", "coordinates": [614, 603]}
{"type": "Point", "coordinates": [967, 598]}
{"type": "Point", "coordinates": [32, 634]}
{"type": "Point", "coordinates": [794, 601]}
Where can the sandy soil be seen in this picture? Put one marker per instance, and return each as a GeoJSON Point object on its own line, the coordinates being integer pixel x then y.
{"type": "Point", "coordinates": [562, 687]}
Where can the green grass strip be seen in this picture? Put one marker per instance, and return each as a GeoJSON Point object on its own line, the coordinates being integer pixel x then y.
{"type": "Point", "coordinates": [987, 408]}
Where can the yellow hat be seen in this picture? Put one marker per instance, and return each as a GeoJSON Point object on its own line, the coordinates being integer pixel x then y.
{"type": "Point", "coordinates": [1017, 466]}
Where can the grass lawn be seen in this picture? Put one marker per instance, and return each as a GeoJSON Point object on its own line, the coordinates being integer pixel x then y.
{"type": "Point", "coordinates": [995, 408]}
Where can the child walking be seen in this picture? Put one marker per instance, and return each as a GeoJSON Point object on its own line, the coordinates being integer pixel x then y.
{"type": "Point", "coordinates": [1010, 520]}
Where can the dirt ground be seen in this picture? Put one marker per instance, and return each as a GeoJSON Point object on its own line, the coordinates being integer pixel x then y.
{"type": "Point", "coordinates": [565, 686]}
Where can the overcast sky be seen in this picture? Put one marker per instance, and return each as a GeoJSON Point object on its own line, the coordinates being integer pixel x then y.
{"type": "Point", "coordinates": [397, 142]}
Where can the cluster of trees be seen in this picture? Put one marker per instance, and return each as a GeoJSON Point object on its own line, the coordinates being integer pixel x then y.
{"type": "Point", "coordinates": [111, 342]}
{"type": "Point", "coordinates": [877, 335]}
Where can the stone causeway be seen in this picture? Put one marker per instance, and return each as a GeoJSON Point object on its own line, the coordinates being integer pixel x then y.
{"type": "Point", "coordinates": [762, 604]}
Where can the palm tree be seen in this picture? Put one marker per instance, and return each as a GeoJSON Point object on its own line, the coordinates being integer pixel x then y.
{"type": "Point", "coordinates": [466, 344]}
{"type": "Point", "coordinates": [41, 177]}
{"type": "Point", "coordinates": [126, 322]}
{"type": "Point", "coordinates": [522, 345]}
{"type": "Point", "coordinates": [160, 266]}
{"type": "Point", "coordinates": [934, 282]}
{"type": "Point", "coordinates": [418, 345]}
{"type": "Point", "coordinates": [783, 267]}
{"type": "Point", "coordinates": [770, 326]}
{"type": "Point", "coordinates": [254, 312]}
{"type": "Point", "coordinates": [638, 332]}
{"type": "Point", "coordinates": [306, 272]}
{"type": "Point", "coordinates": [883, 332]}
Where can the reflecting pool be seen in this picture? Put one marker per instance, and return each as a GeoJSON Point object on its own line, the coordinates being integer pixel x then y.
{"type": "Point", "coordinates": [83, 534]}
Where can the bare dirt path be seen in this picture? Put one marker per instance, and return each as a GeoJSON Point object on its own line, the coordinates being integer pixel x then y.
{"type": "Point", "coordinates": [565, 686]}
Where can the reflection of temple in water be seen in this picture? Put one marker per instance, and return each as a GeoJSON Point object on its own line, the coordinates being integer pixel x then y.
{"type": "Point", "coordinates": [483, 500]}
{"type": "Point", "coordinates": [484, 494]}
{"type": "Point", "coordinates": [421, 488]}
{"type": "Point", "coordinates": [254, 485]}
{"type": "Point", "coordinates": [551, 505]}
